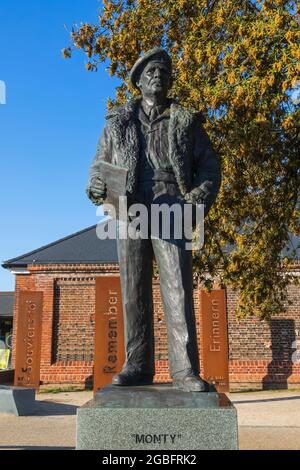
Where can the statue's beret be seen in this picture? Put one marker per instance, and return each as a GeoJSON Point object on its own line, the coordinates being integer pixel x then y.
{"type": "Point", "coordinates": [158, 54]}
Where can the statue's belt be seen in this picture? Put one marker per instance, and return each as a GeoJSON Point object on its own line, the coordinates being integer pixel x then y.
{"type": "Point", "coordinates": [158, 175]}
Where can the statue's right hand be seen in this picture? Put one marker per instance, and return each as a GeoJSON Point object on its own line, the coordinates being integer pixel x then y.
{"type": "Point", "coordinates": [97, 186]}
{"type": "Point", "coordinates": [96, 191]}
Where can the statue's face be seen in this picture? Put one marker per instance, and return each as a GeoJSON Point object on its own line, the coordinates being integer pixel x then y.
{"type": "Point", "coordinates": [155, 79]}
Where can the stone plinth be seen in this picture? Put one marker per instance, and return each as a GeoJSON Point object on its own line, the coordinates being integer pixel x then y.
{"type": "Point", "coordinates": [156, 417]}
{"type": "Point", "coordinates": [19, 401]}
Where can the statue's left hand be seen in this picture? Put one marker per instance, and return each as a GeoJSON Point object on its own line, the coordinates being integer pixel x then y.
{"type": "Point", "coordinates": [194, 197]}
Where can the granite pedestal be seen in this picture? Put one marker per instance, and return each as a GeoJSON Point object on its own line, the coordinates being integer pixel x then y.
{"type": "Point", "coordinates": [156, 417]}
{"type": "Point", "coordinates": [19, 401]}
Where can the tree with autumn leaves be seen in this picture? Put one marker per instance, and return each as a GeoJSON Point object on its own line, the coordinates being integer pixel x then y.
{"type": "Point", "coordinates": [238, 62]}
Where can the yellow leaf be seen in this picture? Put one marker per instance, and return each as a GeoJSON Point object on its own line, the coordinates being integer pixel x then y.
{"type": "Point", "coordinates": [231, 78]}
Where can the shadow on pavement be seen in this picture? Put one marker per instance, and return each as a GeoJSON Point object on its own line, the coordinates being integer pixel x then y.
{"type": "Point", "coordinates": [264, 400]}
{"type": "Point", "coordinates": [48, 408]}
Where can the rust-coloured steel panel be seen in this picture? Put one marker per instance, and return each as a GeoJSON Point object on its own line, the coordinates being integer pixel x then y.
{"type": "Point", "coordinates": [214, 338]}
{"type": "Point", "coordinates": [28, 341]}
{"type": "Point", "coordinates": [109, 355]}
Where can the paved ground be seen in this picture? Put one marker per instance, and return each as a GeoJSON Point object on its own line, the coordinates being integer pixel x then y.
{"type": "Point", "coordinates": [267, 420]}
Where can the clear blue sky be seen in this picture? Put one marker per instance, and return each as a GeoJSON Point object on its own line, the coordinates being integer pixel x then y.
{"type": "Point", "coordinates": [49, 127]}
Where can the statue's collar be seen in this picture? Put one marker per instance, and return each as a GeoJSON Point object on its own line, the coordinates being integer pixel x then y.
{"type": "Point", "coordinates": [130, 109]}
{"type": "Point", "coordinates": [125, 111]}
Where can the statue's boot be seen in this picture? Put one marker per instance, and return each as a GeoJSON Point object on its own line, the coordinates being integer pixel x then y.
{"type": "Point", "coordinates": [132, 378]}
{"type": "Point", "coordinates": [189, 382]}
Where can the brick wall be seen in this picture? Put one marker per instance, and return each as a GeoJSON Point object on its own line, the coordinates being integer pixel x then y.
{"type": "Point", "coordinates": [263, 354]}
{"type": "Point", "coordinates": [260, 354]}
{"type": "Point", "coordinates": [73, 320]}
{"type": "Point", "coordinates": [68, 313]}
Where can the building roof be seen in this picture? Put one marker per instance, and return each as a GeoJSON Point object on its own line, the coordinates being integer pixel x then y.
{"type": "Point", "coordinates": [81, 247]}
{"type": "Point", "coordinates": [7, 300]}
{"type": "Point", "coordinates": [85, 247]}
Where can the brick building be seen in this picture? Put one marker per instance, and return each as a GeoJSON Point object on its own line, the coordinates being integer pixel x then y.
{"type": "Point", "coordinates": [261, 355]}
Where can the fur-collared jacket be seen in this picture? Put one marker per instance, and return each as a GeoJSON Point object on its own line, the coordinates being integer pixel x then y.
{"type": "Point", "coordinates": [195, 164]}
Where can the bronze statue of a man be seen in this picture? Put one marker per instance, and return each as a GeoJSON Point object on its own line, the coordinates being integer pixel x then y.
{"type": "Point", "coordinates": [169, 158]}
